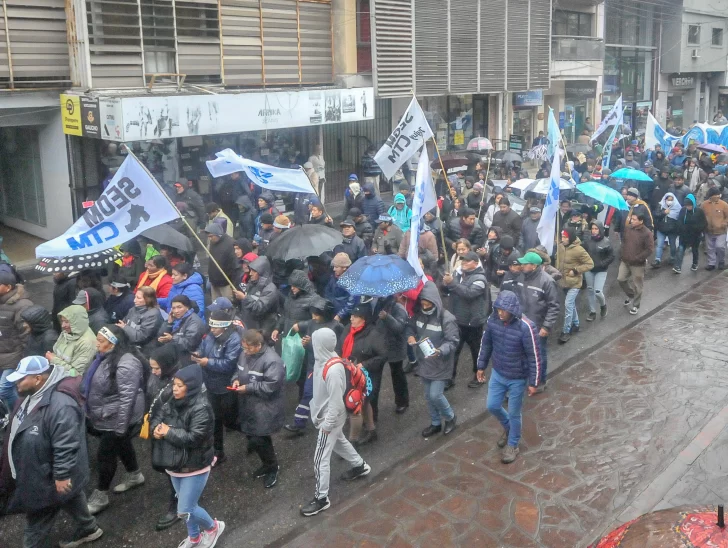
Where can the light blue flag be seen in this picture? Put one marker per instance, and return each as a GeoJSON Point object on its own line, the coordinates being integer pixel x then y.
{"type": "Point", "coordinates": [263, 175]}
{"type": "Point", "coordinates": [554, 134]}
{"type": "Point", "coordinates": [607, 152]}
{"type": "Point", "coordinates": [547, 225]}
{"type": "Point", "coordinates": [424, 200]}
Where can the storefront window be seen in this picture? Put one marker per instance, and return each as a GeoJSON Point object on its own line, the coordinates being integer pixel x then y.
{"type": "Point", "coordinates": [674, 110]}
{"type": "Point", "coordinates": [523, 125]}
{"type": "Point", "coordinates": [456, 119]}
{"type": "Point", "coordinates": [21, 182]}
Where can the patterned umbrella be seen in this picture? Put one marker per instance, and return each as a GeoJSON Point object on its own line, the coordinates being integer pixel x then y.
{"type": "Point", "coordinates": [79, 262]}
{"type": "Point", "coordinates": [479, 144]}
{"type": "Point", "coordinates": [379, 276]}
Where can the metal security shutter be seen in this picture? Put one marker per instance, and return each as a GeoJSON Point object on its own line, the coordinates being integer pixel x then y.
{"type": "Point", "coordinates": [464, 46]}
{"type": "Point", "coordinates": [241, 42]}
{"type": "Point", "coordinates": [492, 45]}
{"type": "Point", "coordinates": [198, 40]}
{"type": "Point", "coordinates": [115, 44]}
{"type": "Point", "coordinates": [392, 45]}
{"type": "Point", "coordinates": [317, 61]}
{"type": "Point", "coordinates": [38, 45]}
{"type": "Point", "coordinates": [540, 47]}
{"type": "Point", "coordinates": [280, 41]}
{"type": "Point", "coordinates": [431, 19]}
{"type": "Point", "coordinates": [517, 45]}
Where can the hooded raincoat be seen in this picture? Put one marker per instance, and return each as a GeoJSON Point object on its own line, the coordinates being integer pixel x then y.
{"type": "Point", "coordinates": [401, 217]}
{"type": "Point", "coordinates": [259, 308]}
{"type": "Point", "coordinates": [74, 351]}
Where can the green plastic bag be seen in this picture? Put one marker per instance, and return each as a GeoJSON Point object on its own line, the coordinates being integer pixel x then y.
{"type": "Point", "coordinates": [292, 353]}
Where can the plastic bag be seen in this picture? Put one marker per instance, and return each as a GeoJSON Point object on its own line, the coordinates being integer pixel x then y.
{"type": "Point", "coordinates": [292, 353]}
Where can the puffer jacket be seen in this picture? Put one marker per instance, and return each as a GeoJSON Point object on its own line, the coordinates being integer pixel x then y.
{"type": "Point", "coordinates": [539, 297]}
{"type": "Point", "coordinates": [573, 258]}
{"type": "Point", "coordinates": [512, 345]}
{"type": "Point", "coordinates": [246, 218]}
{"type": "Point", "coordinates": [391, 329]}
{"type": "Point", "coordinates": [187, 334]}
{"type": "Point", "coordinates": [222, 355]}
{"type": "Point", "coordinates": [12, 333]}
{"type": "Point", "coordinates": [372, 206]}
{"type": "Point", "coordinates": [342, 300]}
{"type": "Point", "coordinates": [453, 232]}
{"type": "Point", "coordinates": [142, 326]}
{"type": "Point", "coordinates": [600, 250]}
{"type": "Point", "coordinates": [74, 351]}
{"type": "Point", "coordinates": [369, 348]}
{"type": "Point", "coordinates": [387, 243]}
{"type": "Point", "coordinates": [401, 217]}
{"type": "Point", "coordinates": [261, 407]}
{"type": "Point", "coordinates": [470, 297]}
{"type": "Point", "coordinates": [259, 308]}
{"type": "Point", "coordinates": [442, 330]}
{"type": "Point", "coordinates": [354, 247]}
{"type": "Point", "coordinates": [365, 231]}
{"type": "Point", "coordinates": [97, 315]}
{"type": "Point", "coordinates": [115, 398]}
{"type": "Point", "coordinates": [42, 336]}
{"type": "Point", "coordinates": [295, 307]}
{"type": "Point", "coordinates": [118, 306]}
{"type": "Point", "coordinates": [691, 224]}
{"type": "Point", "coordinates": [192, 288]}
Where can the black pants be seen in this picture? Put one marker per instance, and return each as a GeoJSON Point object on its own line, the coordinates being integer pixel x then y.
{"type": "Point", "coordinates": [263, 446]}
{"type": "Point", "coordinates": [399, 384]}
{"type": "Point", "coordinates": [39, 523]}
{"type": "Point", "coordinates": [225, 409]}
{"type": "Point", "coordinates": [471, 335]}
{"type": "Point", "coordinates": [113, 447]}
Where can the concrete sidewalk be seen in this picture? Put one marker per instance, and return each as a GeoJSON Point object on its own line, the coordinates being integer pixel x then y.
{"type": "Point", "coordinates": [636, 425]}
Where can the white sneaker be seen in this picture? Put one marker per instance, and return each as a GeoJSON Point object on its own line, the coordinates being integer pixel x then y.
{"type": "Point", "coordinates": [187, 543]}
{"type": "Point", "coordinates": [98, 501]}
{"type": "Point", "coordinates": [131, 480]}
{"type": "Point", "coordinates": [210, 539]}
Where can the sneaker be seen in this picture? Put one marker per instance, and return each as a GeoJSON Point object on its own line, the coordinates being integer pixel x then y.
{"type": "Point", "coordinates": [475, 383]}
{"type": "Point", "coordinates": [357, 472]}
{"type": "Point", "coordinates": [98, 501]}
{"type": "Point", "coordinates": [366, 436]}
{"type": "Point", "coordinates": [603, 311]}
{"type": "Point", "coordinates": [450, 425]}
{"type": "Point", "coordinates": [676, 269]}
{"type": "Point", "coordinates": [315, 506]}
{"type": "Point", "coordinates": [400, 409]}
{"type": "Point", "coordinates": [503, 440]}
{"type": "Point", "coordinates": [209, 538]}
{"type": "Point", "coordinates": [167, 520]}
{"type": "Point", "coordinates": [634, 310]}
{"type": "Point", "coordinates": [591, 316]}
{"type": "Point", "coordinates": [431, 430]}
{"type": "Point", "coordinates": [294, 431]}
{"type": "Point", "coordinates": [509, 454]}
{"type": "Point", "coordinates": [81, 537]}
{"type": "Point", "coordinates": [656, 264]}
{"type": "Point", "coordinates": [575, 328]}
{"type": "Point", "coordinates": [694, 268]}
{"type": "Point", "coordinates": [131, 480]}
{"type": "Point", "coordinates": [189, 543]}
{"type": "Point", "coordinates": [710, 267]}
{"type": "Point", "coordinates": [271, 478]}
{"type": "Point", "coordinates": [627, 302]}
{"type": "Point", "coordinates": [565, 337]}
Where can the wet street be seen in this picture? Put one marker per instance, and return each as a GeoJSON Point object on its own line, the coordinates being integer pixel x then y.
{"type": "Point", "coordinates": [627, 424]}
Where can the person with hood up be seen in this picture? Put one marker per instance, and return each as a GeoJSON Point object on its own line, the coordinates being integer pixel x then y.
{"type": "Point", "coordinates": [328, 414]}
{"type": "Point", "coordinates": [296, 305]}
{"type": "Point", "coordinates": [372, 205]}
{"type": "Point", "coordinates": [425, 243]}
{"type": "Point", "coordinates": [401, 214]}
{"type": "Point", "coordinates": [691, 224]}
{"type": "Point", "coordinates": [716, 217]}
{"type": "Point", "coordinates": [215, 214]}
{"type": "Point", "coordinates": [662, 184]}
{"type": "Point", "coordinates": [260, 381]}
{"type": "Point", "coordinates": [342, 300]}
{"type": "Point", "coordinates": [143, 321]}
{"type": "Point", "coordinates": [113, 388]}
{"type": "Point", "coordinates": [432, 323]}
{"type": "Point", "coordinates": [132, 263]}
{"type": "Point", "coordinates": [119, 301]}
{"type": "Point", "coordinates": [370, 169]}
{"type": "Point", "coordinates": [185, 281]}
{"type": "Point", "coordinates": [259, 303]}
{"type": "Point", "coordinates": [183, 328]}
{"type": "Point", "coordinates": [476, 196]}
{"type": "Point", "coordinates": [221, 249]}
{"type": "Point", "coordinates": [45, 455]}
{"type": "Point", "coordinates": [637, 245]}
{"type": "Point", "coordinates": [352, 244]}
{"type": "Point", "coordinates": [666, 226]}
{"type": "Point", "coordinates": [352, 196]}
{"type": "Point", "coordinates": [186, 422]}
{"type": "Point", "coordinates": [388, 236]}
{"type": "Point", "coordinates": [76, 345]}
{"type": "Point", "coordinates": [155, 276]}
{"type": "Point", "coordinates": [193, 201]}
{"type": "Point", "coordinates": [246, 217]}
{"type": "Point", "coordinates": [39, 327]}
{"type": "Point", "coordinates": [572, 260]}
{"type": "Point", "coordinates": [266, 204]}
{"type": "Point", "coordinates": [510, 339]}
{"type": "Point", "coordinates": [500, 257]}
{"type": "Point", "coordinates": [658, 158]}
{"type": "Point", "coordinates": [93, 301]}
{"type": "Point", "coordinates": [601, 252]}
{"type": "Point", "coordinates": [362, 226]}
{"type": "Point", "coordinates": [390, 321]}
{"type": "Point", "coordinates": [529, 234]}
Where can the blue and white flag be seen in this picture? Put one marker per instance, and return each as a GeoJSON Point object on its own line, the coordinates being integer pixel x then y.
{"type": "Point", "coordinates": [607, 152]}
{"type": "Point", "coordinates": [424, 200]}
{"type": "Point", "coordinates": [611, 118]}
{"type": "Point", "coordinates": [263, 175]}
{"type": "Point", "coordinates": [132, 203]}
{"type": "Point", "coordinates": [547, 225]}
{"type": "Point", "coordinates": [554, 133]}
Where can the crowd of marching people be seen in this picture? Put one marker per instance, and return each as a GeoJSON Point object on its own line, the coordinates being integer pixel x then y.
{"type": "Point", "coordinates": [161, 349]}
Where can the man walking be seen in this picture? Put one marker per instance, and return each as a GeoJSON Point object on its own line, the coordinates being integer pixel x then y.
{"type": "Point", "coordinates": [510, 338]}
{"type": "Point", "coordinates": [716, 215]}
{"type": "Point", "coordinates": [13, 301]}
{"type": "Point", "coordinates": [637, 245]}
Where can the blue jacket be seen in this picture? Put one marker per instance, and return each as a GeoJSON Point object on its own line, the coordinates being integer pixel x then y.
{"type": "Point", "coordinates": [222, 354]}
{"type": "Point", "coordinates": [372, 206]}
{"type": "Point", "coordinates": [192, 287]}
{"type": "Point", "coordinates": [343, 302]}
{"type": "Point", "coordinates": [513, 345]}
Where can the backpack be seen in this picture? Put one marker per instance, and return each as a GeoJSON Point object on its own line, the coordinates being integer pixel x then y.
{"type": "Point", "coordinates": [358, 384]}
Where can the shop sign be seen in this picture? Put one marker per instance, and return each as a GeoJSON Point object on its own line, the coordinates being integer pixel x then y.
{"type": "Point", "coordinates": [515, 143]}
{"type": "Point", "coordinates": [111, 123]}
{"type": "Point", "coordinates": [71, 115]}
{"type": "Point", "coordinates": [580, 89]}
{"type": "Point", "coordinates": [90, 116]}
{"type": "Point", "coordinates": [533, 98]}
{"type": "Point", "coordinates": [682, 81]}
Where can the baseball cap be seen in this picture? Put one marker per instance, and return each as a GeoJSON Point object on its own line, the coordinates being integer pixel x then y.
{"type": "Point", "coordinates": [6, 278]}
{"type": "Point", "coordinates": [531, 258]}
{"type": "Point", "coordinates": [353, 177]}
{"type": "Point", "coordinates": [221, 303]}
{"type": "Point", "coordinates": [81, 298]}
{"type": "Point", "coordinates": [30, 365]}
{"type": "Point", "coordinates": [633, 192]}
{"type": "Point", "coordinates": [535, 210]}
{"type": "Point", "coordinates": [347, 222]}
{"type": "Point", "coordinates": [384, 218]}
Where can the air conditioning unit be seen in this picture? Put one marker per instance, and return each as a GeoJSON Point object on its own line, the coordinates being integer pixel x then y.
{"type": "Point", "coordinates": [695, 54]}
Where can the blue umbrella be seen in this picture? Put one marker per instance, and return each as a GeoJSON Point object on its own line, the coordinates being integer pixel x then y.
{"type": "Point", "coordinates": [602, 193]}
{"type": "Point", "coordinates": [630, 173]}
{"type": "Point", "coordinates": [379, 276]}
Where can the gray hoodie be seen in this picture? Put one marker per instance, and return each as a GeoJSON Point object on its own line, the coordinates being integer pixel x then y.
{"type": "Point", "coordinates": [327, 405]}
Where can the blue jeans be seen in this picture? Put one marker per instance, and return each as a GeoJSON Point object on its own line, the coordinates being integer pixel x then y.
{"type": "Point", "coordinates": [437, 403]}
{"type": "Point", "coordinates": [542, 344]}
{"type": "Point", "coordinates": [498, 387]}
{"type": "Point", "coordinates": [188, 491]}
{"type": "Point", "coordinates": [571, 316]}
{"type": "Point", "coordinates": [8, 393]}
{"type": "Point", "coordinates": [695, 248]}
{"type": "Point", "coordinates": [671, 239]}
{"type": "Point", "coordinates": [595, 289]}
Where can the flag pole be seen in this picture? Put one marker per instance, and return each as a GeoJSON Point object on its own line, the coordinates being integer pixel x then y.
{"type": "Point", "coordinates": [192, 230]}
{"type": "Point", "coordinates": [487, 173]}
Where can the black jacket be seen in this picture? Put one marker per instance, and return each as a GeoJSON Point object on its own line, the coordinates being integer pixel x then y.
{"type": "Point", "coordinates": [691, 225]}
{"type": "Point", "coordinates": [539, 297]}
{"type": "Point", "coordinates": [97, 315]}
{"type": "Point", "coordinates": [187, 335]}
{"type": "Point", "coordinates": [453, 233]}
{"type": "Point", "coordinates": [42, 336]}
{"type": "Point", "coordinates": [295, 307]}
{"type": "Point", "coordinates": [224, 254]}
{"type": "Point", "coordinates": [246, 217]}
{"type": "Point", "coordinates": [470, 297]}
{"type": "Point", "coordinates": [261, 407]}
{"type": "Point", "coordinates": [391, 328]}
{"type": "Point", "coordinates": [365, 231]}
{"type": "Point", "coordinates": [370, 349]}
{"type": "Point", "coordinates": [599, 250]}
{"type": "Point", "coordinates": [509, 223]}
{"type": "Point", "coordinates": [259, 308]}
{"type": "Point", "coordinates": [118, 306]}
{"type": "Point", "coordinates": [354, 247]}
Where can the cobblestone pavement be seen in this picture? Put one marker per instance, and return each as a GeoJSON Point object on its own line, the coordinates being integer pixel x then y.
{"type": "Point", "coordinates": [619, 433]}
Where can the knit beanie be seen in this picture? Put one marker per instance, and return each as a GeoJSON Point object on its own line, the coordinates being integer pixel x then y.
{"type": "Point", "coordinates": [341, 260]}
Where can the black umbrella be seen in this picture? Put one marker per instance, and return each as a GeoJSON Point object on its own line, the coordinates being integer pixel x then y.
{"type": "Point", "coordinates": [509, 156]}
{"type": "Point", "coordinates": [303, 241]}
{"type": "Point", "coordinates": [89, 261]}
{"type": "Point", "coordinates": [166, 235]}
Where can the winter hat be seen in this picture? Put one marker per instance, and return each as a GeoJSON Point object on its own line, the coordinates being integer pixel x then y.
{"type": "Point", "coordinates": [6, 278]}
{"type": "Point", "coordinates": [266, 219]}
{"type": "Point", "coordinates": [249, 257]}
{"type": "Point", "coordinates": [191, 376]}
{"type": "Point", "coordinates": [363, 311]}
{"type": "Point", "coordinates": [341, 260]}
{"type": "Point", "coordinates": [632, 191]}
{"type": "Point", "coordinates": [215, 229]}
{"type": "Point", "coordinates": [570, 233]}
{"type": "Point", "coordinates": [506, 242]}
{"type": "Point", "coordinates": [354, 212]}
{"type": "Point", "coordinates": [282, 222]}
{"type": "Point", "coordinates": [404, 186]}
{"type": "Point", "coordinates": [244, 245]}
{"type": "Point", "coordinates": [219, 318]}
{"type": "Point", "coordinates": [167, 357]}
{"type": "Point", "coordinates": [713, 192]}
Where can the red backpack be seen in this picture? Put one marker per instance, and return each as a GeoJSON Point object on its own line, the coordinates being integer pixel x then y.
{"type": "Point", "coordinates": [357, 384]}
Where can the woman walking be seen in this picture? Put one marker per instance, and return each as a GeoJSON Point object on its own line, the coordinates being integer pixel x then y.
{"type": "Point", "coordinates": [142, 322]}
{"type": "Point", "coordinates": [601, 252]}
{"type": "Point", "coordinates": [572, 261]}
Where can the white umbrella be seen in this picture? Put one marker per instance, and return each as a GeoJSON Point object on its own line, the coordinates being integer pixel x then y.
{"type": "Point", "coordinates": [523, 184]}
{"type": "Point", "coordinates": [541, 186]}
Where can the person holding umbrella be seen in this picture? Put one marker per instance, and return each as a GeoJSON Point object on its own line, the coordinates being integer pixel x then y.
{"type": "Point", "coordinates": [342, 300]}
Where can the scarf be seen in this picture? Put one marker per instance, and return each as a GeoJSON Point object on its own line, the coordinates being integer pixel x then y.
{"type": "Point", "coordinates": [176, 323]}
{"type": "Point", "coordinates": [348, 345]}
{"type": "Point", "coordinates": [465, 229]}
{"type": "Point", "coordinates": [90, 372]}
{"type": "Point", "coordinates": [155, 279]}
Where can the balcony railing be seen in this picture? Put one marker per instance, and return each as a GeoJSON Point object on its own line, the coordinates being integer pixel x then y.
{"type": "Point", "coordinates": [577, 48]}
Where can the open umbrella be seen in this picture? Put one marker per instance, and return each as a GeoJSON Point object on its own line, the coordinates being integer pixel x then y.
{"type": "Point", "coordinates": [603, 193]}
{"type": "Point", "coordinates": [630, 173]}
{"type": "Point", "coordinates": [166, 235]}
{"type": "Point", "coordinates": [303, 241]}
{"type": "Point", "coordinates": [78, 262]}
{"type": "Point", "coordinates": [451, 162]}
{"type": "Point", "coordinates": [479, 144]}
{"type": "Point", "coordinates": [379, 276]}
{"type": "Point", "coordinates": [710, 147]}
{"type": "Point", "coordinates": [540, 186]}
{"type": "Point", "coordinates": [509, 156]}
